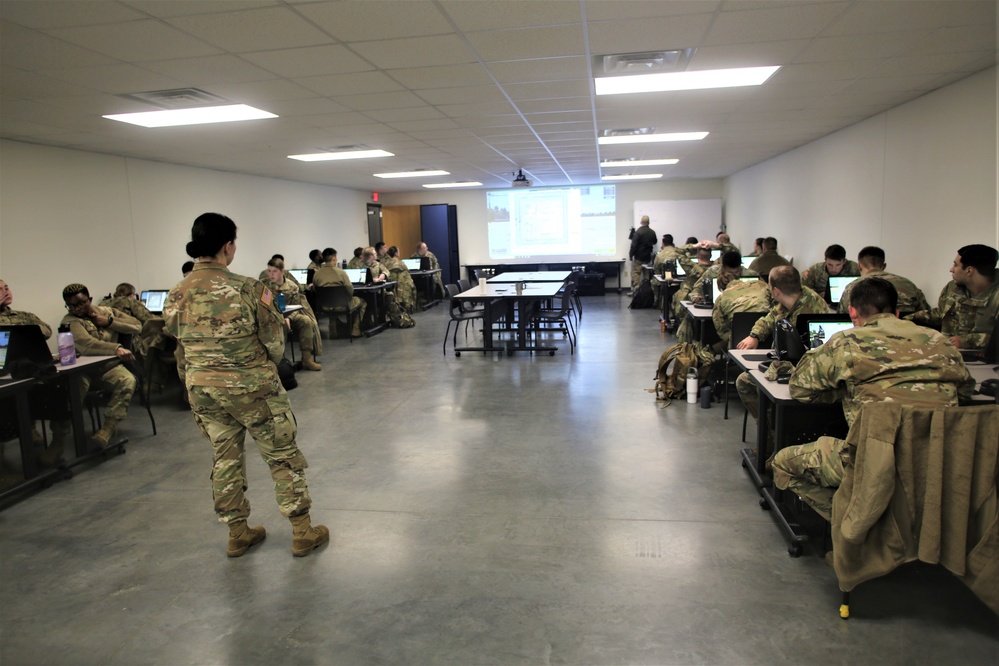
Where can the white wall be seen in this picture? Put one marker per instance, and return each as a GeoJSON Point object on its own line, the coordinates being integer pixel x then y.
{"type": "Point", "coordinates": [918, 180]}
{"type": "Point", "coordinates": [72, 216]}
{"type": "Point", "coordinates": [472, 237]}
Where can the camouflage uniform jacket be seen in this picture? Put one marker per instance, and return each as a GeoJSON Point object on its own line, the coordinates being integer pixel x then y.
{"type": "Point", "coordinates": [767, 261]}
{"type": "Point", "coordinates": [376, 268]}
{"type": "Point", "coordinates": [313, 266]}
{"type": "Point", "coordinates": [693, 276]}
{"type": "Point", "coordinates": [232, 334]}
{"type": "Point", "coordinates": [10, 317]}
{"type": "Point", "coordinates": [294, 294]}
{"type": "Point", "coordinates": [910, 297]}
{"type": "Point", "coordinates": [356, 262]}
{"type": "Point", "coordinates": [130, 306]}
{"type": "Point", "coordinates": [808, 303]}
{"type": "Point", "coordinates": [406, 290]}
{"type": "Point", "coordinates": [886, 359]}
{"type": "Point", "coordinates": [330, 275]}
{"type": "Point", "coordinates": [816, 277]}
{"type": "Point", "coordinates": [738, 297]}
{"type": "Point", "coordinates": [960, 314]}
{"type": "Point", "coordinates": [665, 254]}
{"type": "Point", "coordinates": [93, 341]}
{"type": "Point", "coordinates": [712, 274]}
{"type": "Point", "coordinates": [265, 278]}
{"type": "Point", "coordinates": [434, 264]}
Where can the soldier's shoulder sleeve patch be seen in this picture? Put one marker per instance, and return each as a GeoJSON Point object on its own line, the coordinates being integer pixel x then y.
{"type": "Point", "coordinates": [266, 297]}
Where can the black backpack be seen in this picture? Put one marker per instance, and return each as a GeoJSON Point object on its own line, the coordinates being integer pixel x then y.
{"type": "Point", "coordinates": [643, 298]}
{"type": "Point", "coordinates": [286, 373]}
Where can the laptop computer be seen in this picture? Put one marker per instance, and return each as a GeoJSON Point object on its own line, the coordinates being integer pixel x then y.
{"type": "Point", "coordinates": [4, 346]}
{"type": "Point", "coordinates": [357, 275]}
{"type": "Point", "coordinates": [25, 342]}
{"type": "Point", "coordinates": [412, 264]}
{"type": "Point", "coordinates": [154, 300]}
{"type": "Point", "coordinates": [715, 255]}
{"type": "Point", "coordinates": [837, 283]}
{"type": "Point", "coordinates": [820, 331]}
{"type": "Point", "coordinates": [746, 261]}
{"type": "Point", "coordinates": [300, 274]}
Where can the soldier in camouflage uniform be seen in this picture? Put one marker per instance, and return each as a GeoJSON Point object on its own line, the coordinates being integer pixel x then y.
{"type": "Point", "coordinates": [357, 261]}
{"type": "Point", "coordinates": [969, 304]}
{"type": "Point", "coordinates": [882, 359]}
{"type": "Point", "coordinates": [422, 251]}
{"type": "Point", "coordinates": [95, 332]}
{"type": "Point", "coordinates": [872, 264]}
{"type": "Point", "coordinates": [792, 299]}
{"type": "Point", "coordinates": [152, 343]}
{"type": "Point", "coordinates": [835, 263]}
{"type": "Point", "coordinates": [769, 258]}
{"type": "Point", "coordinates": [265, 278]}
{"type": "Point", "coordinates": [233, 337]}
{"type": "Point", "coordinates": [331, 275]}
{"type": "Point", "coordinates": [730, 266]}
{"type": "Point", "coordinates": [303, 321]}
{"type": "Point", "coordinates": [737, 296]}
{"type": "Point", "coordinates": [11, 317]}
{"type": "Point", "coordinates": [694, 272]}
{"type": "Point", "coordinates": [406, 289]}
{"type": "Point", "coordinates": [315, 260]}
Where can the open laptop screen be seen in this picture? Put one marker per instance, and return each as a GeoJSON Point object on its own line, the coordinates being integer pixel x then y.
{"type": "Point", "coordinates": [746, 261]}
{"type": "Point", "coordinates": [820, 331]}
{"type": "Point", "coordinates": [4, 345]}
{"type": "Point", "coordinates": [715, 255]}
{"type": "Point", "coordinates": [412, 264]}
{"type": "Point", "coordinates": [154, 300]}
{"type": "Point", "coordinates": [356, 275]}
{"type": "Point", "coordinates": [300, 274]}
{"type": "Point", "coordinates": [837, 284]}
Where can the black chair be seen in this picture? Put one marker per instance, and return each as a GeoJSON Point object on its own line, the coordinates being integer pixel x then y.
{"type": "Point", "coordinates": [562, 316]}
{"type": "Point", "coordinates": [334, 301]}
{"type": "Point", "coordinates": [458, 315]}
{"type": "Point", "coordinates": [464, 285]}
{"type": "Point", "coordinates": [742, 325]}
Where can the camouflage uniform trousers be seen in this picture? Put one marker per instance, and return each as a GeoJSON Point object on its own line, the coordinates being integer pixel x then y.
{"type": "Point", "coordinates": [307, 330]}
{"type": "Point", "coordinates": [121, 383]}
{"type": "Point", "coordinates": [748, 392]}
{"type": "Point", "coordinates": [638, 274]}
{"type": "Point", "coordinates": [813, 471]}
{"type": "Point", "coordinates": [224, 416]}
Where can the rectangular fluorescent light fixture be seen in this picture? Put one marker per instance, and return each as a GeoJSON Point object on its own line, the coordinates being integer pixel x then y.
{"type": "Point", "coordinates": [634, 176]}
{"type": "Point", "coordinates": [467, 183]}
{"type": "Point", "coordinates": [651, 138]}
{"type": "Point", "coordinates": [344, 155]}
{"type": "Point", "coordinates": [411, 174]}
{"type": "Point", "coordinates": [670, 81]}
{"type": "Point", "coordinates": [197, 116]}
{"type": "Point", "coordinates": [635, 163]}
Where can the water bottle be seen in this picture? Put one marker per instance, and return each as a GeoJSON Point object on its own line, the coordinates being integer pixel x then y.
{"type": "Point", "coordinates": [281, 302]}
{"type": "Point", "coordinates": [705, 397]}
{"type": "Point", "coordinates": [692, 386]}
{"type": "Point", "coordinates": [67, 347]}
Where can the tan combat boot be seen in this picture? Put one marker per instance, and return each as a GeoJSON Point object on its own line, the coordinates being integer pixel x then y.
{"type": "Point", "coordinates": [102, 437]}
{"type": "Point", "coordinates": [242, 537]}
{"type": "Point", "coordinates": [305, 537]}
{"type": "Point", "coordinates": [309, 364]}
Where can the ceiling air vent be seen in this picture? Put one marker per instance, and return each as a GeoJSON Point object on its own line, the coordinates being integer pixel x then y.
{"type": "Point", "coordinates": [628, 132]}
{"type": "Point", "coordinates": [179, 98]}
{"type": "Point", "coordinates": [648, 62]}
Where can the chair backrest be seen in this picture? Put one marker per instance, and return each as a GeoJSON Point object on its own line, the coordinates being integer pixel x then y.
{"type": "Point", "coordinates": [742, 325]}
{"type": "Point", "coordinates": [464, 285]}
{"type": "Point", "coordinates": [452, 291]}
{"type": "Point", "coordinates": [332, 299]}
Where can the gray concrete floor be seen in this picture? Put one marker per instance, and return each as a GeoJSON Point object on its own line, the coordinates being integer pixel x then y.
{"type": "Point", "coordinates": [484, 510]}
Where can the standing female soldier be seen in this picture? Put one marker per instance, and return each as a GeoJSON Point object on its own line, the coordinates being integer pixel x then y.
{"type": "Point", "coordinates": [233, 336]}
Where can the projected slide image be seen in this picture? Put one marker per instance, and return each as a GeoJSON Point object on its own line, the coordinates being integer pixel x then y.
{"type": "Point", "coordinates": [577, 222]}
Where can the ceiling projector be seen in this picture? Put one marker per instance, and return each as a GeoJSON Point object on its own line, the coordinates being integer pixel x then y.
{"type": "Point", "coordinates": [520, 180]}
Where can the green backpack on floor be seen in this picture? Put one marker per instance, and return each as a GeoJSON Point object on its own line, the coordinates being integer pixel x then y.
{"type": "Point", "coordinates": [671, 374]}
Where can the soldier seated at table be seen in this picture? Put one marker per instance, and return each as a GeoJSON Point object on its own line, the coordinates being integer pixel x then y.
{"type": "Point", "coordinates": [871, 260]}
{"type": "Point", "coordinates": [882, 359]}
{"type": "Point", "coordinates": [406, 291]}
{"type": "Point", "coordinates": [834, 264]}
{"type": "Point", "coordinates": [331, 275]}
{"type": "Point", "coordinates": [423, 251]}
{"type": "Point", "coordinates": [302, 322]}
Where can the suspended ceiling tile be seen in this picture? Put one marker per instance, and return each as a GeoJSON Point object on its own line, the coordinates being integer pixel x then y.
{"type": "Point", "coordinates": [544, 42]}
{"type": "Point", "coordinates": [309, 61]}
{"type": "Point", "coordinates": [116, 79]}
{"type": "Point", "coordinates": [136, 41]}
{"type": "Point", "coordinates": [387, 100]}
{"type": "Point", "coordinates": [652, 34]}
{"type": "Point", "coordinates": [259, 92]}
{"type": "Point", "coordinates": [469, 95]}
{"type": "Point", "coordinates": [444, 76]}
{"type": "Point", "coordinates": [474, 16]}
{"type": "Point", "coordinates": [747, 55]}
{"type": "Point", "coordinates": [797, 21]}
{"type": "Point", "coordinates": [415, 52]}
{"type": "Point", "coordinates": [376, 19]}
{"type": "Point", "coordinates": [168, 8]}
{"type": "Point", "coordinates": [546, 69]}
{"type": "Point", "coordinates": [416, 113]}
{"type": "Point", "coordinates": [358, 83]}
{"type": "Point", "coordinates": [209, 69]}
{"type": "Point", "coordinates": [33, 51]}
{"type": "Point", "coordinates": [548, 89]}
{"type": "Point", "coordinates": [865, 17]}
{"type": "Point", "coordinates": [65, 13]}
{"type": "Point", "coordinates": [252, 30]}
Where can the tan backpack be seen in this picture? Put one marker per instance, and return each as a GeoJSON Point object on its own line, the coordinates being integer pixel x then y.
{"type": "Point", "coordinates": [671, 375]}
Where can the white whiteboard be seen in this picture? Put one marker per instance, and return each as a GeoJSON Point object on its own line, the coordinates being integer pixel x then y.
{"type": "Point", "coordinates": [682, 218]}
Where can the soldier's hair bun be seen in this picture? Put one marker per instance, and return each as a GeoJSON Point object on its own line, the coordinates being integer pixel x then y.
{"type": "Point", "coordinates": [209, 233]}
